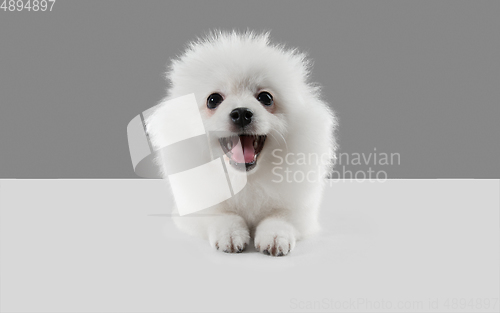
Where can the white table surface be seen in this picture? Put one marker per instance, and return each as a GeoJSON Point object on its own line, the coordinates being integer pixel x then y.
{"type": "Point", "coordinates": [111, 246]}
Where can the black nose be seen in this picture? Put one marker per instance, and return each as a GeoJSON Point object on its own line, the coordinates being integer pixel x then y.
{"type": "Point", "coordinates": [241, 116]}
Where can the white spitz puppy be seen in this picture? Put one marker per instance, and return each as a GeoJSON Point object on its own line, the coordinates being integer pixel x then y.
{"type": "Point", "coordinates": [259, 93]}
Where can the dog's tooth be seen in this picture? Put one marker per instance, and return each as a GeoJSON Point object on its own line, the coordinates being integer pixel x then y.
{"type": "Point", "coordinates": [229, 144]}
{"type": "Point", "coordinates": [255, 144]}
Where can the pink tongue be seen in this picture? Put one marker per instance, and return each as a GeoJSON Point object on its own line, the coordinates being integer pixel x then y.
{"type": "Point", "coordinates": [245, 154]}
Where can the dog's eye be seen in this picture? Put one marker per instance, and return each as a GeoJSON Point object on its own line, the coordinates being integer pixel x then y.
{"type": "Point", "coordinates": [265, 98]}
{"type": "Point", "coordinates": [214, 100]}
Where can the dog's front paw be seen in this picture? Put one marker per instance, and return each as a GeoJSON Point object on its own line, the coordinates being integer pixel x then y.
{"type": "Point", "coordinates": [275, 237]}
{"type": "Point", "coordinates": [230, 234]}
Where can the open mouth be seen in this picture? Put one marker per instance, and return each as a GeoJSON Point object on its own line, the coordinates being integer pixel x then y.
{"type": "Point", "coordinates": [243, 149]}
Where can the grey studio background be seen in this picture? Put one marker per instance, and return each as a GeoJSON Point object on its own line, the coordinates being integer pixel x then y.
{"type": "Point", "coordinates": [418, 78]}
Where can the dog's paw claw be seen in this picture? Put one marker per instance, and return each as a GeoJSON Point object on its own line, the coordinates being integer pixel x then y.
{"type": "Point", "coordinates": [234, 241]}
{"type": "Point", "coordinates": [276, 238]}
{"type": "Point", "coordinates": [240, 249]}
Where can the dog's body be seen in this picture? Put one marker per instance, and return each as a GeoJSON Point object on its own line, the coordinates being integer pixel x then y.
{"type": "Point", "coordinates": [246, 86]}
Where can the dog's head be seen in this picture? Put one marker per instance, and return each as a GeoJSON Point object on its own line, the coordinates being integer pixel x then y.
{"type": "Point", "coordinates": [246, 89]}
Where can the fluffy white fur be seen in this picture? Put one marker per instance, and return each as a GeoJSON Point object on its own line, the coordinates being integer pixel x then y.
{"type": "Point", "coordinates": [238, 66]}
